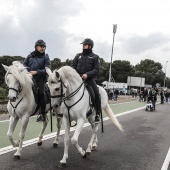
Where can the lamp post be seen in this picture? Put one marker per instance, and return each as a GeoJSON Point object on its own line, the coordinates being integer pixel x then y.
{"type": "Point", "coordinates": [114, 32]}
{"type": "Point", "coordinates": [165, 73]}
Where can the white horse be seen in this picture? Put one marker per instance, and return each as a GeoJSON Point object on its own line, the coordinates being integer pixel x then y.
{"type": "Point", "coordinates": [22, 104]}
{"type": "Point", "coordinates": [68, 90]}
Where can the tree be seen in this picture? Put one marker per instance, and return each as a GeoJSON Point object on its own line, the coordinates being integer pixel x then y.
{"type": "Point", "coordinates": [7, 60]}
{"type": "Point", "coordinates": [151, 71]}
{"type": "Point", "coordinates": [55, 63]}
{"type": "Point", "coordinates": [121, 69]}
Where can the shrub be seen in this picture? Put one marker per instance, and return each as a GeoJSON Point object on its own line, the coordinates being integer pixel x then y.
{"type": "Point", "coordinates": [3, 93]}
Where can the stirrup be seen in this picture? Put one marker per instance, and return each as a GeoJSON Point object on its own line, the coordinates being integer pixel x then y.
{"type": "Point", "coordinates": [39, 118]}
{"type": "Point", "coordinates": [97, 119]}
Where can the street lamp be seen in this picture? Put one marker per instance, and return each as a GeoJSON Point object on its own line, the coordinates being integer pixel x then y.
{"type": "Point", "coordinates": [114, 32]}
{"type": "Point", "coordinates": [165, 73]}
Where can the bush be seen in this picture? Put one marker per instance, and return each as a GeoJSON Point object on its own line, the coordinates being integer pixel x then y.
{"type": "Point", "coordinates": [3, 93]}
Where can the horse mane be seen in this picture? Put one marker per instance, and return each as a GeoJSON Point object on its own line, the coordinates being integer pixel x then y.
{"type": "Point", "coordinates": [24, 77]}
{"type": "Point", "coordinates": [69, 73]}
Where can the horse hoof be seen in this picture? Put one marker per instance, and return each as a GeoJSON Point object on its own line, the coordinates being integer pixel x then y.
{"type": "Point", "coordinates": [88, 153]}
{"type": "Point", "coordinates": [61, 165]}
{"type": "Point", "coordinates": [39, 143]}
{"type": "Point", "coordinates": [85, 156]}
{"type": "Point", "coordinates": [55, 145]}
{"type": "Point", "coordinates": [16, 157]}
{"type": "Point", "coordinates": [94, 148]}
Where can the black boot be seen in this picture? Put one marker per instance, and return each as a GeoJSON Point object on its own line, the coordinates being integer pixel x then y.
{"type": "Point", "coordinates": [97, 118]}
{"type": "Point", "coordinates": [41, 118]}
{"type": "Point", "coordinates": [44, 118]}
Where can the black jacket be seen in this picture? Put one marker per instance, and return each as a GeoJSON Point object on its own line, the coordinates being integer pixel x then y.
{"type": "Point", "coordinates": [38, 63]}
{"type": "Point", "coordinates": [86, 64]}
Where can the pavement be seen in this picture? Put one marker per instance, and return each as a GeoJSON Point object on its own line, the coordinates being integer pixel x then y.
{"type": "Point", "coordinates": [143, 146]}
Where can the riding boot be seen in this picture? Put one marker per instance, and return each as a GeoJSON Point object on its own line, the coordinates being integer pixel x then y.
{"type": "Point", "coordinates": [98, 110]}
{"type": "Point", "coordinates": [42, 118]}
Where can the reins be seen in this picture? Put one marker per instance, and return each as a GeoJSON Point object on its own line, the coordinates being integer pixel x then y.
{"type": "Point", "coordinates": [68, 98]}
{"type": "Point", "coordinates": [64, 99]}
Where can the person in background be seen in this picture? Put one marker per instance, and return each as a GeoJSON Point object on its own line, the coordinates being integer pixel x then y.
{"type": "Point", "coordinates": [36, 63]}
{"type": "Point", "coordinates": [166, 96]}
{"type": "Point", "coordinates": [152, 96]}
{"type": "Point", "coordinates": [145, 94]}
{"type": "Point", "coordinates": [116, 93]}
{"type": "Point", "coordinates": [111, 94]}
{"type": "Point", "coordinates": [162, 96]}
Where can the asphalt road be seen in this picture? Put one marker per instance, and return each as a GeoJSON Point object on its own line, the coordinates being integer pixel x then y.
{"type": "Point", "coordinates": [143, 146]}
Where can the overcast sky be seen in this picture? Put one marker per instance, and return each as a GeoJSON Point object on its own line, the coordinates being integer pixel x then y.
{"type": "Point", "coordinates": [143, 28]}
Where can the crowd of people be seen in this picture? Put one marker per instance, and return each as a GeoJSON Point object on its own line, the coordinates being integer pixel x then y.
{"type": "Point", "coordinates": [145, 94]}
{"type": "Point", "coordinates": [113, 94]}
{"type": "Point", "coordinates": [164, 94]}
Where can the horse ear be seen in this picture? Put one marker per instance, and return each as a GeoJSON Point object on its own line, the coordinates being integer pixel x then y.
{"type": "Point", "coordinates": [48, 70]}
{"type": "Point", "coordinates": [5, 67]}
{"type": "Point", "coordinates": [57, 74]}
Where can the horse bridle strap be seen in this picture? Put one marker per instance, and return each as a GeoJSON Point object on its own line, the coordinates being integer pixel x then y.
{"type": "Point", "coordinates": [61, 95]}
{"type": "Point", "coordinates": [17, 90]}
{"type": "Point", "coordinates": [14, 107]}
{"type": "Point", "coordinates": [68, 98]}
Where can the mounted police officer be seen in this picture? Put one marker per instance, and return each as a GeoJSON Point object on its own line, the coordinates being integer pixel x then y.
{"type": "Point", "coordinates": [36, 63]}
{"type": "Point", "coordinates": [87, 65]}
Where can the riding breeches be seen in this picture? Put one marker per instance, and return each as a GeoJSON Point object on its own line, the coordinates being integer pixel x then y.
{"type": "Point", "coordinates": [93, 84]}
{"type": "Point", "coordinates": [41, 96]}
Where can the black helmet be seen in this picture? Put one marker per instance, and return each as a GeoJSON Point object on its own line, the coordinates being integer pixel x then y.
{"type": "Point", "coordinates": [40, 43]}
{"type": "Point", "coordinates": [88, 41]}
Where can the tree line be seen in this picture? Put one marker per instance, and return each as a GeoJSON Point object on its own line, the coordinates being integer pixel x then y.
{"type": "Point", "coordinates": [121, 69]}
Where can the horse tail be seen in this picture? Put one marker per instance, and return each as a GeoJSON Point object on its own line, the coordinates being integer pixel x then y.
{"type": "Point", "coordinates": [113, 118]}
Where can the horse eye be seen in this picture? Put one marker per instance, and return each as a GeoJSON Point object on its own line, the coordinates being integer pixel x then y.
{"type": "Point", "coordinates": [56, 89]}
{"type": "Point", "coordinates": [52, 81]}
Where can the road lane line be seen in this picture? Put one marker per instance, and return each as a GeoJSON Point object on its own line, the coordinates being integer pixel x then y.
{"type": "Point", "coordinates": [166, 161]}
{"type": "Point", "coordinates": [52, 135]}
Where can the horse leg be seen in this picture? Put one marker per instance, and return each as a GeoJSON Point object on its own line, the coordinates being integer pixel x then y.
{"type": "Point", "coordinates": [24, 123]}
{"type": "Point", "coordinates": [74, 139]}
{"type": "Point", "coordinates": [12, 124]}
{"type": "Point", "coordinates": [39, 142]}
{"type": "Point", "coordinates": [66, 143]}
{"type": "Point", "coordinates": [93, 140]}
{"type": "Point", "coordinates": [59, 122]}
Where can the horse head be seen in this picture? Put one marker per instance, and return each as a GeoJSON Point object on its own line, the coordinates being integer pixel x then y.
{"type": "Point", "coordinates": [57, 87]}
{"type": "Point", "coordinates": [14, 79]}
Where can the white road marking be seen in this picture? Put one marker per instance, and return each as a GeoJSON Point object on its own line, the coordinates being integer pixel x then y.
{"type": "Point", "coordinates": [52, 135]}
{"type": "Point", "coordinates": [166, 161]}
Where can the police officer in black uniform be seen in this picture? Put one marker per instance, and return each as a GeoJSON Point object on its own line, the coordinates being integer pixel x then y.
{"type": "Point", "coordinates": [87, 65]}
{"type": "Point", "coordinates": [36, 63]}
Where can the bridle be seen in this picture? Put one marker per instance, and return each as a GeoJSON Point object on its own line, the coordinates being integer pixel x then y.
{"type": "Point", "coordinates": [64, 99]}
{"type": "Point", "coordinates": [18, 91]}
